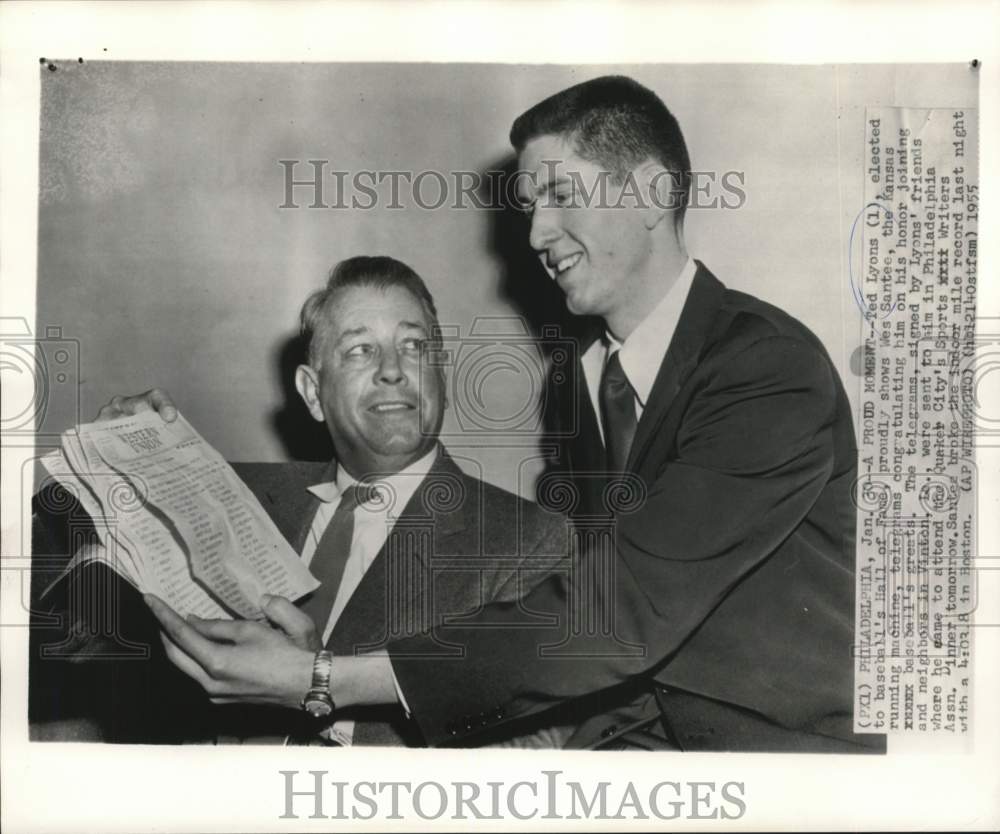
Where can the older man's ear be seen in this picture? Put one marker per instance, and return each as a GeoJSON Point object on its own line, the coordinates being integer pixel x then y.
{"type": "Point", "coordinates": [307, 384]}
{"type": "Point", "coordinates": [444, 390]}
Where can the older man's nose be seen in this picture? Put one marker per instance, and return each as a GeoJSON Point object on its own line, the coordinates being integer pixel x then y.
{"type": "Point", "coordinates": [390, 369]}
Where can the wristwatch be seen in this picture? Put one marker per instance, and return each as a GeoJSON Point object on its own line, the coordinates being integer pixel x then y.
{"type": "Point", "coordinates": [318, 702]}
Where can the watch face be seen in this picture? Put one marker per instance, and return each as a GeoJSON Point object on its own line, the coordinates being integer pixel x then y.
{"type": "Point", "coordinates": [318, 708]}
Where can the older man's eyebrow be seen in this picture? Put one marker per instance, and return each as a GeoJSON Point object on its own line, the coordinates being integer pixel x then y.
{"type": "Point", "coordinates": [352, 331]}
{"type": "Point", "coordinates": [413, 325]}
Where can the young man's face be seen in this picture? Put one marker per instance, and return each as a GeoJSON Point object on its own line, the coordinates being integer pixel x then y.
{"type": "Point", "coordinates": [382, 412]}
{"type": "Point", "coordinates": [594, 247]}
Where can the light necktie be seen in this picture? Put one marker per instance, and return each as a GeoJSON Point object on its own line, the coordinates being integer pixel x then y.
{"type": "Point", "coordinates": [617, 412]}
{"type": "Point", "coordinates": [331, 556]}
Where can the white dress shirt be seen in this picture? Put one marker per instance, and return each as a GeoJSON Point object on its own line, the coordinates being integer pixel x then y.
{"type": "Point", "coordinates": [642, 353]}
{"type": "Point", "coordinates": [373, 522]}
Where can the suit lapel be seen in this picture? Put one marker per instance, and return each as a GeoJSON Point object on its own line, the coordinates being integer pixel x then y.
{"type": "Point", "coordinates": [577, 417]}
{"type": "Point", "coordinates": [700, 308]}
{"type": "Point", "coordinates": [583, 446]}
{"type": "Point", "coordinates": [283, 492]}
{"type": "Point", "coordinates": [395, 593]}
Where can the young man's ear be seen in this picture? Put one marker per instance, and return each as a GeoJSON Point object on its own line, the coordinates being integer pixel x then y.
{"type": "Point", "coordinates": [661, 192]}
{"type": "Point", "coordinates": [307, 384]}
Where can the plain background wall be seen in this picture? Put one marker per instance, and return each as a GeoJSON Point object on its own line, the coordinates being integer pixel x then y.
{"type": "Point", "coordinates": [163, 252]}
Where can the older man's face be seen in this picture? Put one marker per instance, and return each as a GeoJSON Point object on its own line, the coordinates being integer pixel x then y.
{"type": "Point", "coordinates": [382, 412]}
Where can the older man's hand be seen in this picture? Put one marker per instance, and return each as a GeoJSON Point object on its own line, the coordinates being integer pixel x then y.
{"type": "Point", "coordinates": [240, 661]}
{"type": "Point", "coordinates": [155, 399]}
{"type": "Point", "coordinates": [291, 619]}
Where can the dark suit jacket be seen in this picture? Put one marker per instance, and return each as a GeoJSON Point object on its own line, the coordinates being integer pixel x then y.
{"type": "Point", "coordinates": [732, 592]}
{"type": "Point", "coordinates": [458, 543]}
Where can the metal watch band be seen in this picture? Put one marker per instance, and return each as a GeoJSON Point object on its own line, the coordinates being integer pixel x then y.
{"type": "Point", "coordinates": [322, 668]}
{"type": "Point", "coordinates": [318, 701]}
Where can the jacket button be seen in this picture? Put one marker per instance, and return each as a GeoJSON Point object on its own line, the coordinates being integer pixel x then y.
{"type": "Point", "coordinates": [498, 715]}
{"type": "Point", "coordinates": [607, 732]}
{"type": "Point", "coordinates": [451, 729]}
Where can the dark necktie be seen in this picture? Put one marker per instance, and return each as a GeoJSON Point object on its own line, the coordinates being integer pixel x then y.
{"type": "Point", "coordinates": [330, 558]}
{"type": "Point", "coordinates": [617, 412]}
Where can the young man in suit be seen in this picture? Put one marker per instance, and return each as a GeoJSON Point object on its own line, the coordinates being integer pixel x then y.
{"type": "Point", "coordinates": [397, 534]}
{"type": "Point", "coordinates": [730, 595]}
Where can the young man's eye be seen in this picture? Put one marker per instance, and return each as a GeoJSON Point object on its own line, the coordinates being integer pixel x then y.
{"type": "Point", "coordinates": [563, 196]}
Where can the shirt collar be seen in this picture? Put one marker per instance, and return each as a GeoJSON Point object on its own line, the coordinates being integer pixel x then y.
{"type": "Point", "coordinates": [643, 351]}
{"type": "Point", "coordinates": [401, 484]}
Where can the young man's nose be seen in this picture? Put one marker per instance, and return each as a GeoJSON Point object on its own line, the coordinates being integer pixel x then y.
{"type": "Point", "coordinates": [544, 228]}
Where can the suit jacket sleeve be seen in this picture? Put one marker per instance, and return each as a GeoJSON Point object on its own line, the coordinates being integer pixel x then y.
{"type": "Point", "coordinates": [752, 453]}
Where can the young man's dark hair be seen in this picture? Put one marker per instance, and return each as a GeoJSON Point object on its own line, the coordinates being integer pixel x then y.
{"type": "Point", "coordinates": [615, 122]}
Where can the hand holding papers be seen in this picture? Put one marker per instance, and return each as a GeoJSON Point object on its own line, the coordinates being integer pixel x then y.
{"type": "Point", "coordinates": [174, 519]}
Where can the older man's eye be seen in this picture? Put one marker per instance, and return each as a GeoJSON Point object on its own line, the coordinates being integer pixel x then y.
{"type": "Point", "coordinates": [362, 351]}
{"type": "Point", "coordinates": [411, 345]}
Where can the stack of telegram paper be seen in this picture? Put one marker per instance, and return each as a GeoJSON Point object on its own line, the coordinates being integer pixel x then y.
{"type": "Point", "coordinates": [174, 519]}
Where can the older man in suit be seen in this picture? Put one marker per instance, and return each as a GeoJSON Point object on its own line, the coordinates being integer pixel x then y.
{"type": "Point", "coordinates": [399, 537]}
{"type": "Point", "coordinates": [727, 592]}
